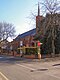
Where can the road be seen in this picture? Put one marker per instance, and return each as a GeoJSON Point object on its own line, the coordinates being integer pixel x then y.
{"type": "Point", "coordinates": [16, 68]}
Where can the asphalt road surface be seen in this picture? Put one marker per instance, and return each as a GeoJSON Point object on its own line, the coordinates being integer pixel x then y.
{"type": "Point", "coordinates": [16, 68]}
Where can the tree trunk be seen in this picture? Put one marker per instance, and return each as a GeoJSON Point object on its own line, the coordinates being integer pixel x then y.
{"type": "Point", "coordinates": [53, 49]}
{"type": "Point", "coordinates": [53, 45]}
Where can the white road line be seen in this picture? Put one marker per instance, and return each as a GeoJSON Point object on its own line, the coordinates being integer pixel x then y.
{"type": "Point", "coordinates": [35, 69]}
{"type": "Point", "coordinates": [26, 67]}
{"type": "Point", "coordinates": [3, 76]}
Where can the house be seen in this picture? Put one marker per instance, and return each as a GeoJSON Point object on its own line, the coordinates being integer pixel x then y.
{"type": "Point", "coordinates": [26, 38]}
{"type": "Point", "coordinates": [3, 46]}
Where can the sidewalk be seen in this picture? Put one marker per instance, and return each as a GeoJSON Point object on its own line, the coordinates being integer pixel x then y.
{"type": "Point", "coordinates": [47, 59]}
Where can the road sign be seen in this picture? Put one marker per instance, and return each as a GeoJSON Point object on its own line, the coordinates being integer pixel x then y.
{"type": "Point", "coordinates": [39, 43]}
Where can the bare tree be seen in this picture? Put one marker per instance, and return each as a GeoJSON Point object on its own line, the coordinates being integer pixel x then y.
{"type": "Point", "coordinates": [50, 23]}
{"type": "Point", "coordinates": [6, 30]}
{"type": "Point", "coordinates": [52, 7]}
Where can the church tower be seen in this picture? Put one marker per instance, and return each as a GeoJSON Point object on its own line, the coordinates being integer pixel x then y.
{"type": "Point", "coordinates": [38, 20]}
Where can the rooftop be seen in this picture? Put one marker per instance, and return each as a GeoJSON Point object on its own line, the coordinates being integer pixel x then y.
{"type": "Point", "coordinates": [30, 32]}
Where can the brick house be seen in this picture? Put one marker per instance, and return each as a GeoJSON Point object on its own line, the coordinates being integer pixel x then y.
{"type": "Point", "coordinates": [26, 38]}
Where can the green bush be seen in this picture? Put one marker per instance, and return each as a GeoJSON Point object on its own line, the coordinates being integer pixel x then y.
{"type": "Point", "coordinates": [30, 51]}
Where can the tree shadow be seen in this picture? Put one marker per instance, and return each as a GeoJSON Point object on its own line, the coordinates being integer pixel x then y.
{"type": "Point", "coordinates": [11, 60]}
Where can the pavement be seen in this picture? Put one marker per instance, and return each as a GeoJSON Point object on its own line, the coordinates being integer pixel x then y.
{"type": "Point", "coordinates": [47, 59]}
{"type": "Point", "coordinates": [37, 69]}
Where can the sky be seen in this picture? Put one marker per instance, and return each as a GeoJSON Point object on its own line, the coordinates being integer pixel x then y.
{"type": "Point", "coordinates": [18, 12]}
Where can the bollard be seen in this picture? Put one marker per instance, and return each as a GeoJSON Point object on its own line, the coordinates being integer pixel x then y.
{"type": "Point", "coordinates": [39, 54]}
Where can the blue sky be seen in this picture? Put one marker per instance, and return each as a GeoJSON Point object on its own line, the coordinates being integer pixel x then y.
{"type": "Point", "coordinates": [16, 12]}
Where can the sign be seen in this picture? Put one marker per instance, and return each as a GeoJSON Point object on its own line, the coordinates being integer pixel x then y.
{"type": "Point", "coordinates": [39, 43]}
{"type": "Point", "coordinates": [21, 43]}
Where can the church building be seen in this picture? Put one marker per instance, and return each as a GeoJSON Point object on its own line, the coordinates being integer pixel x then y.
{"type": "Point", "coordinates": [27, 38]}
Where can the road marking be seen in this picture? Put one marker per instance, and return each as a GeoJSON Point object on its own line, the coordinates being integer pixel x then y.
{"type": "Point", "coordinates": [3, 76]}
{"type": "Point", "coordinates": [26, 67]}
{"type": "Point", "coordinates": [35, 69]}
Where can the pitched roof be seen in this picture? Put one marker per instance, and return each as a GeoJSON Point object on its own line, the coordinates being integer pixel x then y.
{"type": "Point", "coordinates": [31, 32]}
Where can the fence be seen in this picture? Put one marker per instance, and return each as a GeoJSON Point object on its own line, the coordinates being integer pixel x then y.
{"type": "Point", "coordinates": [23, 50]}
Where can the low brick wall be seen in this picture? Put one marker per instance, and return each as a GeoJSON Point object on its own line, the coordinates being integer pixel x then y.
{"type": "Point", "coordinates": [30, 56]}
